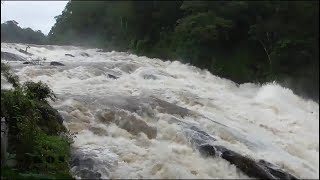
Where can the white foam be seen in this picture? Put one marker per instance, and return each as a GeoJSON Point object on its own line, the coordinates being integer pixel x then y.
{"type": "Point", "coordinates": [282, 127]}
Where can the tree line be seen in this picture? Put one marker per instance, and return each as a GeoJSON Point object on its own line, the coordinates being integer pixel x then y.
{"type": "Point", "coordinates": [13, 33]}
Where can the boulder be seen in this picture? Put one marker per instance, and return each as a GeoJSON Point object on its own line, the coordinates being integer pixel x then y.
{"type": "Point", "coordinates": [26, 62]}
{"type": "Point", "coordinates": [54, 63]}
{"type": "Point", "coordinates": [88, 174]}
{"type": "Point", "coordinates": [149, 76]}
{"type": "Point", "coordinates": [84, 54]}
{"type": "Point", "coordinates": [112, 76]}
{"type": "Point", "coordinates": [69, 55]}
{"type": "Point", "coordinates": [11, 57]}
{"type": "Point", "coordinates": [257, 169]}
{"type": "Point", "coordinates": [133, 124]}
{"type": "Point", "coordinates": [169, 108]}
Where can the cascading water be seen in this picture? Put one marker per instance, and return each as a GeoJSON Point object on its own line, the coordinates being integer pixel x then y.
{"type": "Point", "coordinates": [127, 114]}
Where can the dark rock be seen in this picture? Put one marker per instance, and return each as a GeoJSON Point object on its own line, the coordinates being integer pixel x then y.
{"type": "Point", "coordinates": [26, 63]}
{"type": "Point", "coordinates": [88, 174]}
{"type": "Point", "coordinates": [54, 63]}
{"type": "Point", "coordinates": [207, 150]}
{"type": "Point", "coordinates": [143, 105]}
{"type": "Point", "coordinates": [257, 169]}
{"type": "Point", "coordinates": [83, 165]}
{"type": "Point", "coordinates": [129, 122]}
{"type": "Point", "coordinates": [84, 54]}
{"type": "Point", "coordinates": [11, 57]}
{"type": "Point", "coordinates": [199, 138]}
{"type": "Point", "coordinates": [86, 163]}
{"type": "Point", "coordinates": [112, 76]}
{"type": "Point", "coordinates": [149, 76]}
{"type": "Point", "coordinates": [75, 162]}
{"type": "Point", "coordinates": [69, 55]}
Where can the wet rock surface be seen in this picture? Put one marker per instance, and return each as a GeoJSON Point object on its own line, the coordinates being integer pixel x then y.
{"type": "Point", "coordinates": [121, 107]}
{"type": "Point", "coordinates": [84, 167]}
{"type": "Point", "coordinates": [257, 169]}
{"type": "Point", "coordinates": [129, 122]}
{"type": "Point", "coordinates": [87, 164]}
{"type": "Point", "coordinates": [55, 63]}
{"type": "Point", "coordinates": [11, 57]}
{"type": "Point", "coordinates": [70, 55]}
{"type": "Point", "coordinates": [84, 54]}
{"type": "Point", "coordinates": [112, 76]}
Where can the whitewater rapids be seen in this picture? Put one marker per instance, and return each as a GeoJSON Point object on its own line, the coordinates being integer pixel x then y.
{"type": "Point", "coordinates": [261, 121]}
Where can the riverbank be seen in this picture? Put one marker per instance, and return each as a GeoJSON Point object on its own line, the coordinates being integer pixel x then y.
{"type": "Point", "coordinates": [35, 143]}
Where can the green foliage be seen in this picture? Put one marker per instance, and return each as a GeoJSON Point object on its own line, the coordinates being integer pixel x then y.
{"type": "Point", "coordinates": [39, 91]}
{"type": "Point", "coordinates": [35, 132]}
{"type": "Point", "coordinates": [11, 32]}
{"type": "Point", "coordinates": [10, 77]}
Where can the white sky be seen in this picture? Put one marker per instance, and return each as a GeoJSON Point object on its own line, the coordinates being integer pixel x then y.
{"type": "Point", "coordinates": [38, 15]}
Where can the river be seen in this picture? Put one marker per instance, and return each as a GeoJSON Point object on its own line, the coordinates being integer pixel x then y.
{"type": "Point", "coordinates": [122, 110]}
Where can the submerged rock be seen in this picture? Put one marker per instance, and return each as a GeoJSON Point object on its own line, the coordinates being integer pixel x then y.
{"type": "Point", "coordinates": [129, 122]}
{"type": "Point", "coordinates": [166, 107]}
{"type": "Point", "coordinates": [11, 57]}
{"type": "Point", "coordinates": [84, 54]}
{"type": "Point", "coordinates": [69, 55]}
{"type": "Point", "coordinates": [54, 63]}
{"type": "Point", "coordinates": [112, 76]}
{"type": "Point", "coordinates": [84, 168]}
{"type": "Point", "coordinates": [149, 76]}
{"type": "Point", "coordinates": [257, 169]}
{"type": "Point", "coordinates": [88, 174]}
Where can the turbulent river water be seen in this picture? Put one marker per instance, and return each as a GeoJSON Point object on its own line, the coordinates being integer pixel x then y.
{"type": "Point", "coordinates": [123, 111]}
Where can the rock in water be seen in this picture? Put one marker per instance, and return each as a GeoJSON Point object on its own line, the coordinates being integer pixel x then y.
{"type": "Point", "coordinates": [11, 57]}
{"type": "Point", "coordinates": [84, 54]}
{"type": "Point", "coordinates": [112, 76]}
{"type": "Point", "coordinates": [149, 76]}
{"type": "Point", "coordinates": [54, 63]}
{"type": "Point", "coordinates": [256, 169]}
{"type": "Point", "coordinates": [129, 122]}
{"type": "Point", "coordinates": [69, 55]}
{"type": "Point", "coordinates": [26, 63]}
{"type": "Point", "coordinates": [88, 174]}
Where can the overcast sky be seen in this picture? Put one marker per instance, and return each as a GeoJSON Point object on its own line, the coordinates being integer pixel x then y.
{"type": "Point", "coordinates": [38, 15]}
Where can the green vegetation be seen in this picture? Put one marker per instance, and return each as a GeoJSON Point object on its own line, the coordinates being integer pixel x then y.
{"type": "Point", "coordinates": [11, 32]}
{"type": "Point", "coordinates": [246, 41]}
{"type": "Point", "coordinates": [38, 143]}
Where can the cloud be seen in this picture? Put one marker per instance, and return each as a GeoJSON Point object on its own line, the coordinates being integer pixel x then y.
{"type": "Point", "coordinates": [38, 15]}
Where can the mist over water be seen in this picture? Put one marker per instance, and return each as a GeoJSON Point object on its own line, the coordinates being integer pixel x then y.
{"type": "Point", "coordinates": [123, 108]}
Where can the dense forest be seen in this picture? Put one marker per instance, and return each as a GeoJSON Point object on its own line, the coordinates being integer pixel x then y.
{"type": "Point", "coordinates": [12, 32]}
{"type": "Point", "coordinates": [246, 41]}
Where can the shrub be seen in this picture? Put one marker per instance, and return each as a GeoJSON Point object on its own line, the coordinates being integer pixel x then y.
{"type": "Point", "coordinates": [35, 130]}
